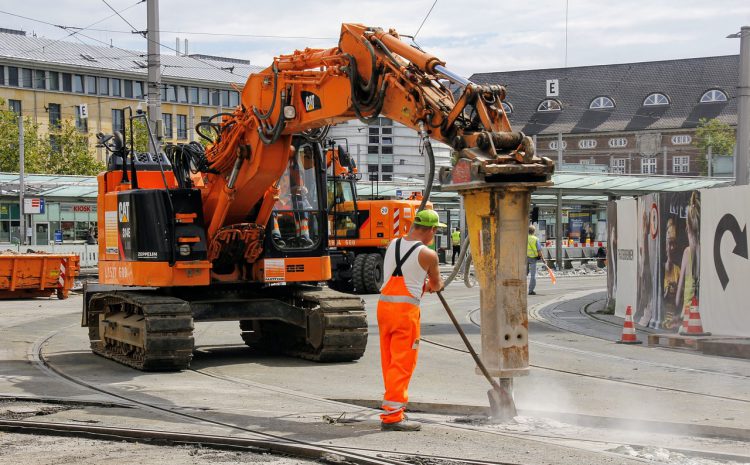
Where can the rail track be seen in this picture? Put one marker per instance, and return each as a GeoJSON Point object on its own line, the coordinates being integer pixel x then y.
{"type": "Point", "coordinates": [259, 440]}
{"type": "Point", "coordinates": [472, 318]}
{"type": "Point", "coordinates": [253, 440]}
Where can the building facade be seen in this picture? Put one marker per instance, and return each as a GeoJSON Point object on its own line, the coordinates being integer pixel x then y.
{"type": "Point", "coordinates": [49, 81]}
{"type": "Point", "coordinates": [633, 118]}
{"type": "Point", "coordinates": [387, 151]}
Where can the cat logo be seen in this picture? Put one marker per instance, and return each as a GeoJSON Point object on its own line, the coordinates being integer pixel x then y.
{"type": "Point", "coordinates": [311, 101]}
{"type": "Point", "coordinates": [123, 209]}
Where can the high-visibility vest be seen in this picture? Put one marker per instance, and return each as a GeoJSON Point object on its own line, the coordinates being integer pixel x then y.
{"type": "Point", "coordinates": [456, 237]}
{"type": "Point", "coordinates": [531, 250]}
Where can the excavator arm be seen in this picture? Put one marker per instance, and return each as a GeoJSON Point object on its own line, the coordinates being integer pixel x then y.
{"type": "Point", "coordinates": [372, 72]}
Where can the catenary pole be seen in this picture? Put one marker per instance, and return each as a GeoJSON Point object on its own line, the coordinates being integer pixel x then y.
{"type": "Point", "coordinates": [21, 184]}
{"type": "Point", "coordinates": [743, 109]}
{"type": "Point", "coordinates": [154, 72]}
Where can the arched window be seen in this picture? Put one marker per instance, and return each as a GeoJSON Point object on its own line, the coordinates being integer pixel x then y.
{"type": "Point", "coordinates": [508, 108]}
{"type": "Point", "coordinates": [601, 103]}
{"type": "Point", "coordinates": [549, 105]}
{"type": "Point", "coordinates": [655, 99]}
{"type": "Point", "coordinates": [713, 95]}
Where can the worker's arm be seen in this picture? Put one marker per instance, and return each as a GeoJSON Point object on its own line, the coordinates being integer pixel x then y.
{"type": "Point", "coordinates": [428, 260]}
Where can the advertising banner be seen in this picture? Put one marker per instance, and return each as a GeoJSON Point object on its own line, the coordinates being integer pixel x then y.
{"type": "Point", "coordinates": [675, 255]}
{"type": "Point", "coordinates": [646, 312]}
{"type": "Point", "coordinates": [579, 226]}
{"type": "Point", "coordinates": [724, 264]}
{"type": "Point", "coordinates": [627, 266]}
{"type": "Point", "coordinates": [611, 253]}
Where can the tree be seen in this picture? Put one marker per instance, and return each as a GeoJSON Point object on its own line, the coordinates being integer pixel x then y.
{"type": "Point", "coordinates": [717, 135]}
{"type": "Point", "coordinates": [70, 152]}
{"type": "Point", "coordinates": [140, 134]}
{"type": "Point", "coordinates": [35, 148]}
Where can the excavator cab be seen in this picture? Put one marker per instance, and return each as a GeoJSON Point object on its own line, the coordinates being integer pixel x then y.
{"type": "Point", "coordinates": [342, 208]}
{"type": "Point", "coordinates": [297, 223]}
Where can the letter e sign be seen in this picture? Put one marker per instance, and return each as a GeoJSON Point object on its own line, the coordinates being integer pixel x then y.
{"type": "Point", "coordinates": [553, 88]}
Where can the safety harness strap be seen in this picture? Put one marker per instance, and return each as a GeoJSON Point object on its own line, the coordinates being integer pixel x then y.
{"type": "Point", "coordinates": [400, 261]}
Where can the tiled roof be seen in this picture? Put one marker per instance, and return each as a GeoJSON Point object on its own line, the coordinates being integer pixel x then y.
{"type": "Point", "coordinates": [105, 60]}
{"type": "Point", "coordinates": [682, 81]}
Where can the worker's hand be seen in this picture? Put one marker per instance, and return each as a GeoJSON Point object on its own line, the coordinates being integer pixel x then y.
{"type": "Point", "coordinates": [430, 289]}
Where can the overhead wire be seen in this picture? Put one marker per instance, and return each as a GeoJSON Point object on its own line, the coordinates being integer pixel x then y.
{"type": "Point", "coordinates": [424, 20]}
{"type": "Point", "coordinates": [133, 28]}
{"type": "Point", "coordinates": [66, 28]}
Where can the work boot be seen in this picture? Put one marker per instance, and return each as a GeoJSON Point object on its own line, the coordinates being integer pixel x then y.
{"type": "Point", "coordinates": [403, 425]}
{"type": "Point", "coordinates": [532, 293]}
{"type": "Point", "coordinates": [306, 242]}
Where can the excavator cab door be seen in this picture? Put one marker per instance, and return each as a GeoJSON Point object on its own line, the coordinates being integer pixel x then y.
{"type": "Point", "coordinates": [297, 224]}
{"type": "Point", "coordinates": [342, 209]}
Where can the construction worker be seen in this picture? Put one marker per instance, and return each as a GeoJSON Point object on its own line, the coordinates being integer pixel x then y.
{"type": "Point", "coordinates": [533, 253]}
{"type": "Point", "coordinates": [456, 241]}
{"type": "Point", "coordinates": [408, 261]}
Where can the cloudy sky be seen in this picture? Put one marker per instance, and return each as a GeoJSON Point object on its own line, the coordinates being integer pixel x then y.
{"type": "Point", "coordinates": [471, 36]}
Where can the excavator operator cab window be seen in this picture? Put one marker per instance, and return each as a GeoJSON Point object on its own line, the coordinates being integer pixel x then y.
{"type": "Point", "coordinates": [342, 209]}
{"type": "Point", "coordinates": [297, 215]}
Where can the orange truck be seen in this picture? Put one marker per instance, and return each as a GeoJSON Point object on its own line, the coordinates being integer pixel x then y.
{"type": "Point", "coordinates": [37, 274]}
{"type": "Point", "coordinates": [360, 230]}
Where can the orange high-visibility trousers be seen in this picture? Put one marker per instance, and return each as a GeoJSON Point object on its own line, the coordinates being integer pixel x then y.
{"type": "Point", "coordinates": [398, 322]}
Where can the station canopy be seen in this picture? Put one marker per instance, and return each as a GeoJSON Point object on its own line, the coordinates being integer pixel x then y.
{"type": "Point", "coordinates": [574, 187]}
{"type": "Point", "coordinates": [43, 185]}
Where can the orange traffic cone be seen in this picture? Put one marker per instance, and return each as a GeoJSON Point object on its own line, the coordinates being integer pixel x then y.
{"type": "Point", "coordinates": [691, 323]}
{"type": "Point", "coordinates": [628, 329]}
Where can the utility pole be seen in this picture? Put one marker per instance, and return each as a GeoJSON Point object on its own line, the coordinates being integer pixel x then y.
{"type": "Point", "coordinates": [743, 108]}
{"type": "Point", "coordinates": [710, 157]}
{"type": "Point", "coordinates": [21, 184]}
{"type": "Point", "coordinates": [559, 151]}
{"type": "Point", "coordinates": [154, 72]}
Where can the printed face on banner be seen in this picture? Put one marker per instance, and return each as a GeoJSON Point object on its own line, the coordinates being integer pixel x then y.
{"type": "Point", "coordinates": [611, 252]}
{"type": "Point", "coordinates": [676, 255]}
{"type": "Point", "coordinates": [647, 311]}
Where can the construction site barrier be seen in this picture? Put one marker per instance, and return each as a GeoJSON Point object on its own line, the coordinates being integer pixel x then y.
{"type": "Point", "coordinates": [88, 254]}
{"type": "Point", "coordinates": [574, 254]}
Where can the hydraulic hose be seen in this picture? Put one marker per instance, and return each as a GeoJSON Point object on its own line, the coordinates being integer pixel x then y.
{"type": "Point", "coordinates": [430, 165]}
{"type": "Point", "coordinates": [467, 271]}
{"type": "Point", "coordinates": [463, 252]}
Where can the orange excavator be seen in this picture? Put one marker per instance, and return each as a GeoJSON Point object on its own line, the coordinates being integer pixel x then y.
{"type": "Point", "coordinates": [238, 232]}
{"type": "Point", "coordinates": [360, 230]}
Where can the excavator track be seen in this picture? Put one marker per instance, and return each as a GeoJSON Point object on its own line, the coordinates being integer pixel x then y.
{"type": "Point", "coordinates": [337, 326]}
{"type": "Point", "coordinates": [148, 332]}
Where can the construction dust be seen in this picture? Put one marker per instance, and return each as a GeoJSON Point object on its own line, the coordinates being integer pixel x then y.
{"type": "Point", "coordinates": [666, 456]}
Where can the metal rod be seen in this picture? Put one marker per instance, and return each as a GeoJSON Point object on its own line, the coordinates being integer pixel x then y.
{"type": "Point", "coordinates": [458, 79]}
{"type": "Point", "coordinates": [21, 176]}
{"type": "Point", "coordinates": [473, 353]}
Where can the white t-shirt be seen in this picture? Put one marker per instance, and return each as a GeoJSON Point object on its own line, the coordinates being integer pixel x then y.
{"type": "Point", "coordinates": [414, 274]}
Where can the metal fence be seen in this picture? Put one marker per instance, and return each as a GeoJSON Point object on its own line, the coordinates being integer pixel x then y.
{"type": "Point", "coordinates": [89, 254]}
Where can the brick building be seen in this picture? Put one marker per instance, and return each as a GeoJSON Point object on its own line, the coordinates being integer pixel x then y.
{"type": "Point", "coordinates": [50, 80]}
{"type": "Point", "coordinates": [635, 118]}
